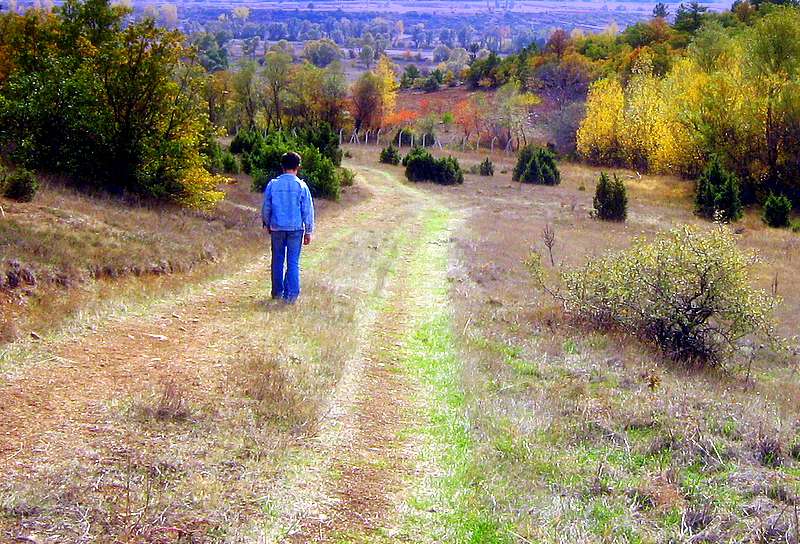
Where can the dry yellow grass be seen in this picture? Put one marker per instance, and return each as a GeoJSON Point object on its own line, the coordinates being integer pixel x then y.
{"type": "Point", "coordinates": [189, 411]}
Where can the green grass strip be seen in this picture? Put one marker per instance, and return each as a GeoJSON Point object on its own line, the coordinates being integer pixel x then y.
{"type": "Point", "coordinates": [448, 507]}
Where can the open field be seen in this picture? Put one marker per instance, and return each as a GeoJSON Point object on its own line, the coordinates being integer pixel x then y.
{"type": "Point", "coordinates": [585, 436]}
{"type": "Point", "coordinates": [422, 391]}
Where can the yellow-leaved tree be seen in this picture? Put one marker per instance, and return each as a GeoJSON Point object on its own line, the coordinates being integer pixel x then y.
{"type": "Point", "coordinates": [598, 135]}
{"type": "Point", "coordinates": [645, 127]}
{"type": "Point", "coordinates": [388, 86]}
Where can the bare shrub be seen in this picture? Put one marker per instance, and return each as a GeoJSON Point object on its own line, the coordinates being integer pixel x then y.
{"type": "Point", "coordinates": [696, 518]}
{"type": "Point", "coordinates": [8, 330]}
{"type": "Point", "coordinates": [168, 404]}
{"type": "Point", "coordinates": [768, 451]}
{"type": "Point", "coordinates": [549, 240]}
{"type": "Point", "coordinates": [688, 292]}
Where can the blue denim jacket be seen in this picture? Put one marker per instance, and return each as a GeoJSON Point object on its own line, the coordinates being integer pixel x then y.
{"type": "Point", "coordinates": [288, 205]}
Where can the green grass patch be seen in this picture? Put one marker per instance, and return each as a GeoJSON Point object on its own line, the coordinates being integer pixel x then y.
{"type": "Point", "coordinates": [449, 507]}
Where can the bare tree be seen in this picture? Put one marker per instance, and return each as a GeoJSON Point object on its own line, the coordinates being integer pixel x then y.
{"type": "Point", "coordinates": [549, 239]}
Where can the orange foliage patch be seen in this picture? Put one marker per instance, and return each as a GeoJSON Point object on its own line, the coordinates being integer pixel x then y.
{"type": "Point", "coordinates": [401, 117]}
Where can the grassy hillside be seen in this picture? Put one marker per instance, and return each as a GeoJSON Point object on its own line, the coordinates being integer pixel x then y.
{"type": "Point", "coordinates": [61, 250]}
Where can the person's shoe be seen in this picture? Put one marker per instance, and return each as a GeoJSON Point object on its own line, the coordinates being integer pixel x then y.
{"type": "Point", "coordinates": [290, 301]}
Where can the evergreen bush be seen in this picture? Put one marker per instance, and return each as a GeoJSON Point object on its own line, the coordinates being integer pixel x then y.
{"type": "Point", "coordinates": [317, 145]}
{"type": "Point", "coordinates": [230, 164]}
{"type": "Point", "coordinates": [486, 168]}
{"type": "Point", "coordinates": [536, 165]}
{"type": "Point", "coordinates": [318, 170]}
{"type": "Point", "coordinates": [611, 199]}
{"type": "Point", "coordinates": [777, 209]}
{"type": "Point", "coordinates": [422, 166]}
{"type": "Point", "coordinates": [21, 185]}
{"type": "Point", "coordinates": [390, 155]}
{"type": "Point", "coordinates": [718, 194]}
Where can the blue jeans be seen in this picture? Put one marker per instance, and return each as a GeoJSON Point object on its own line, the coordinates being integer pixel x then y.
{"type": "Point", "coordinates": [286, 246]}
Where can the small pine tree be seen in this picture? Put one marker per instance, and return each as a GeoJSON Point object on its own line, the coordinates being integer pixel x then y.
{"type": "Point", "coordinates": [536, 165]}
{"type": "Point", "coordinates": [541, 169]}
{"type": "Point", "coordinates": [718, 193]}
{"type": "Point", "coordinates": [487, 168]}
{"type": "Point", "coordinates": [21, 185]}
{"type": "Point", "coordinates": [390, 155]}
{"type": "Point", "coordinates": [611, 199]}
{"type": "Point", "coordinates": [777, 209]}
{"type": "Point", "coordinates": [422, 166]}
{"type": "Point", "coordinates": [524, 156]}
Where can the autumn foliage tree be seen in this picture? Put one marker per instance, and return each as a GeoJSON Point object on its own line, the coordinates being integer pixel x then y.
{"type": "Point", "coordinates": [367, 105]}
{"type": "Point", "coordinates": [734, 96]}
{"type": "Point", "coordinates": [113, 105]}
{"type": "Point", "coordinates": [374, 96]}
{"type": "Point", "coordinates": [599, 134]}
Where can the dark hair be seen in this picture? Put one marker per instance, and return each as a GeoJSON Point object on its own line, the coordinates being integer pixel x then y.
{"type": "Point", "coordinates": [290, 161]}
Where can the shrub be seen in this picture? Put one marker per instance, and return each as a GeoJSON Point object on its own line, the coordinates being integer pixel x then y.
{"type": "Point", "coordinates": [536, 165]}
{"type": "Point", "coordinates": [422, 166]}
{"type": "Point", "coordinates": [168, 405]}
{"type": "Point", "coordinates": [230, 164]}
{"type": "Point", "coordinates": [346, 177]}
{"type": "Point", "coordinates": [263, 162]}
{"type": "Point", "coordinates": [611, 199]}
{"type": "Point", "coordinates": [688, 292]}
{"type": "Point", "coordinates": [718, 193]}
{"type": "Point", "coordinates": [776, 211]}
{"type": "Point", "coordinates": [214, 156]}
{"type": "Point", "coordinates": [324, 138]}
{"type": "Point", "coordinates": [449, 171]}
{"type": "Point", "coordinates": [768, 451]}
{"type": "Point", "coordinates": [415, 152]}
{"type": "Point", "coordinates": [430, 84]}
{"type": "Point", "coordinates": [245, 141]}
{"type": "Point", "coordinates": [487, 168]}
{"type": "Point", "coordinates": [21, 185]}
{"type": "Point", "coordinates": [390, 155]}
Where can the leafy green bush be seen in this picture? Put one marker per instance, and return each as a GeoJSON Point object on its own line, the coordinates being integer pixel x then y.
{"type": "Point", "coordinates": [230, 164]}
{"type": "Point", "coordinates": [318, 146]}
{"type": "Point", "coordinates": [610, 199]}
{"type": "Point", "coordinates": [318, 171]}
{"type": "Point", "coordinates": [21, 185]}
{"type": "Point", "coordinates": [214, 155]}
{"type": "Point", "coordinates": [486, 168]}
{"type": "Point", "coordinates": [718, 193]}
{"type": "Point", "coordinates": [390, 155]}
{"type": "Point", "coordinates": [346, 177]}
{"type": "Point", "coordinates": [688, 291]}
{"type": "Point", "coordinates": [536, 165]}
{"type": "Point", "coordinates": [422, 166]}
{"type": "Point", "coordinates": [245, 141]}
{"type": "Point", "coordinates": [777, 209]}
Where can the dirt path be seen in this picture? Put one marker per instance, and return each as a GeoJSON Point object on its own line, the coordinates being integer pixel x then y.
{"type": "Point", "coordinates": [54, 400]}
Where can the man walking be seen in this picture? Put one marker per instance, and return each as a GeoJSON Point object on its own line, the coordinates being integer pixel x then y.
{"type": "Point", "coordinates": [288, 215]}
